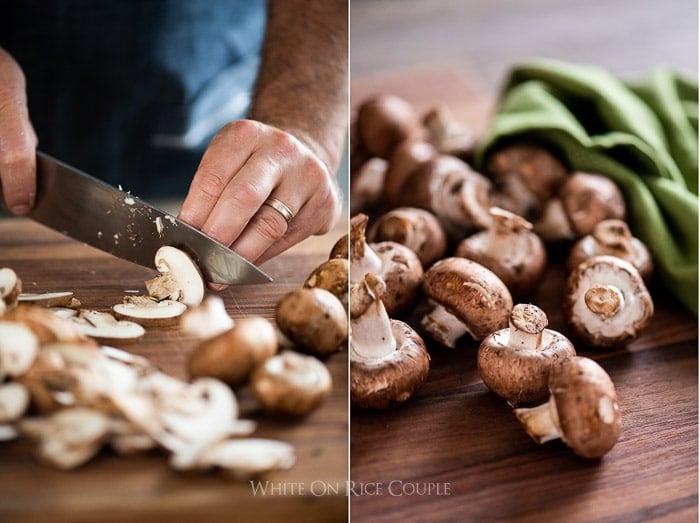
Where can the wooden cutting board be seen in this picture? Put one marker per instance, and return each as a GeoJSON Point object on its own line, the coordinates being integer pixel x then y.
{"type": "Point", "coordinates": [455, 452]}
{"type": "Point", "coordinates": [143, 487]}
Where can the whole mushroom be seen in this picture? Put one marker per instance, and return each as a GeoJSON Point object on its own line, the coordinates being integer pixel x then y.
{"type": "Point", "coordinates": [447, 134]}
{"type": "Point", "coordinates": [582, 409]}
{"type": "Point", "coordinates": [388, 359]}
{"type": "Point", "coordinates": [468, 298]}
{"type": "Point", "coordinates": [612, 237]}
{"type": "Point", "coordinates": [313, 319]}
{"type": "Point", "coordinates": [333, 276]}
{"type": "Point", "coordinates": [417, 229]}
{"type": "Point", "coordinates": [510, 249]}
{"type": "Point", "coordinates": [384, 121]}
{"type": "Point", "coordinates": [589, 199]}
{"type": "Point", "coordinates": [514, 362]}
{"type": "Point", "coordinates": [407, 157]}
{"type": "Point", "coordinates": [606, 302]}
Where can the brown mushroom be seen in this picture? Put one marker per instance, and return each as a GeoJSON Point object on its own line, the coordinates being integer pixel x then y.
{"type": "Point", "coordinates": [367, 185]}
{"type": "Point", "coordinates": [333, 276]}
{"type": "Point", "coordinates": [448, 135]}
{"type": "Point", "coordinates": [468, 298]}
{"type": "Point", "coordinates": [408, 157]}
{"type": "Point", "coordinates": [582, 409]}
{"type": "Point", "coordinates": [206, 320]}
{"type": "Point", "coordinates": [314, 319]}
{"type": "Point", "coordinates": [526, 175]}
{"type": "Point", "coordinates": [232, 355]}
{"type": "Point", "coordinates": [606, 302]}
{"type": "Point", "coordinates": [510, 249]}
{"type": "Point", "coordinates": [612, 237]}
{"type": "Point", "coordinates": [514, 362]}
{"type": "Point", "coordinates": [388, 359]}
{"type": "Point", "coordinates": [417, 229]}
{"type": "Point", "coordinates": [291, 383]}
{"type": "Point", "coordinates": [589, 199]}
{"type": "Point", "coordinates": [383, 122]}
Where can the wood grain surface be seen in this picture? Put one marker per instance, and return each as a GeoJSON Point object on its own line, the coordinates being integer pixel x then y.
{"type": "Point", "coordinates": [143, 487]}
{"type": "Point", "coordinates": [455, 452]}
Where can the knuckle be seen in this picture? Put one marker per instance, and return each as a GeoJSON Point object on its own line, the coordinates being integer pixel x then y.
{"type": "Point", "coordinates": [210, 184]}
{"type": "Point", "coordinates": [270, 226]}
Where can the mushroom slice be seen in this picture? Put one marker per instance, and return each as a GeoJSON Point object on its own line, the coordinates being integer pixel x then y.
{"type": "Point", "coordinates": [606, 301]}
{"type": "Point", "coordinates": [514, 362]}
{"type": "Point", "coordinates": [206, 320]}
{"type": "Point", "coordinates": [468, 298]}
{"type": "Point", "coordinates": [180, 279]}
{"type": "Point", "coordinates": [47, 326]}
{"type": "Point", "coordinates": [18, 348]}
{"type": "Point", "coordinates": [48, 299]}
{"type": "Point", "coordinates": [510, 249]}
{"type": "Point", "coordinates": [70, 437]}
{"type": "Point", "coordinates": [291, 383]}
{"type": "Point", "coordinates": [388, 359]}
{"type": "Point", "coordinates": [8, 432]}
{"type": "Point", "coordinates": [106, 328]}
{"type": "Point", "coordinates": [149, 312]}
{"type": "Point", "coordinates": [10, 287]}
{"type": "Point", "coordinates": [314, 319]}
{"type": "Point", "coordinates": [232, 355]}
{"type": "Point", "coordinates": [613, 238]}
{"type": "Point", "coordinates": [14, 401]}
{"type": "Point", "coordinates": [417, 229]}
{"type": "Point", "coordinates": [582, 409]}
{"type": "Point", "coordinates": [249, 457]}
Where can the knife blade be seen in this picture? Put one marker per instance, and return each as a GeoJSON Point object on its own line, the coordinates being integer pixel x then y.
{"type": "Point", "coordinates": [92, 211]}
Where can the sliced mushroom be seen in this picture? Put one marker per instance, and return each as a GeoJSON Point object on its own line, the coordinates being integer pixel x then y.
{"type": "Point", "coordinates": [417, 229]}
{"type": "Point", "coordinates": [447, 134]}
{"type": "Point", "coordinates": [333, 276]}
{"type": "Point", "coordinates": [589, 199]}
{"type": "Point", "coordinates": [510, 249]}
{"type": "Point", "coordinates": [612, 237]}
{"type": "Point", "coordinates": [388, 359]}
{"type": "Point", "coordinates": [396, 264]}
{"type": "Point", "coordinates": [514, 362]}
{"type": "Point", "coordinates": [232, 355]}
{"type": "Point", "coordinates": [106, 328]}
{"type": "Point", "coordinates": [314, 319]}
{"type": "Point", "coordinates": [44, 323]}
{"type": "Point", "coordinates": [582, 409]}
{"type": "Point", "coordinates": [468, 299]}
{"type": "Point", "coordinates": [148, 311]}
{"type": "Point", "coordinates": [18, 348]}
{"type": "Point", "coordinates": [14, 401]}
{"type": "Point", "coordinates": [248, 457]}
{"type": "Point", "coordinates": [606, 302]}
{"type": "Point", "coordinates": [10, 287]}
{"type": "Point", "coordinates": [291, 383]}
{"type": "Point", "coordinates": [206, 320]}
{"type": "Point", "coordinates": [180, 279]}
{"type": "Point", "coordinates": [49, 299]}
{"type": "Point", "coordinates": [384, 121]}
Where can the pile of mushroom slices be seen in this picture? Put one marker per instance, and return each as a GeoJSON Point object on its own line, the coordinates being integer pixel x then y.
{"type": "Point", "coordinates": [59, 387]}
{"type": "Point", "coordinates": [481, 242]}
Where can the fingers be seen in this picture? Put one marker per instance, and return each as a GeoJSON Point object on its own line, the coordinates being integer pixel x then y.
{"type": "Point", "coordinates": [245, 165]}
{"type": "Point", "coordinates": [17, 139]}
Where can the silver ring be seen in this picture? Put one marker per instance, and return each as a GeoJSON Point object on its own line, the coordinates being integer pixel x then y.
{"type": "Point", "coordinates": [281, 208]}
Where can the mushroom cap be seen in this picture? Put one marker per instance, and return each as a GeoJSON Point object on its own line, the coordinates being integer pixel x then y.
{"type": "Point", "coordinates": [332, 275]}
{"type": "Point", "coordinates": [510, 249]}
{"type": "Point", "coordinates": [518, 373]}
{"type": "Point", "coordinates": [586, 405]}
{"type": "Point", "coordinates": [471, 292]}
{"type": "Point", "coordinates": [589, 199]}
{"type": "Point", "coordinates": [417, 229]}
{"type": "Point", "coordinates": [232, 355]}
{"type": "Point", "coordinates": [448, 134]}
{"type": "Point", "coordinates": [612, 237]}
{"type": "Point", "coordinates": [291, 383]}
{"type": "Point", "coordinates": [390, 381]}
{"type": "Point", "coordinates": [314, 319]}
{"type": "Point", "coordinates": [384, 121]}
{"type": "Point", "coordinates": [621, 287]}
{"type": "Point", "coordinates": [367, 184]}
{"type": "Point", "coordinates": [406, 158]}
{"type": "Point", "coordinates": [402, 272]}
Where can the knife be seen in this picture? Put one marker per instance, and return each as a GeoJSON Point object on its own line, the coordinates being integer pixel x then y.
{"type": "Point", "coordinates": [92, 211]}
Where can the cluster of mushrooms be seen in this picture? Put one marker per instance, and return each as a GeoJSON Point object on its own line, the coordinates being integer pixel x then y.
{"type": "Point", "coordinates": [61, 386]}
{"type": "Point", "coordinates": [430, 232]}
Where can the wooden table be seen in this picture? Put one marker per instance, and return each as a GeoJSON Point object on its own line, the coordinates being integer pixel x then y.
{"type": "Point", "coordinates": [455, 452]}
{"type": "Point", "coordinates": [144, 488]}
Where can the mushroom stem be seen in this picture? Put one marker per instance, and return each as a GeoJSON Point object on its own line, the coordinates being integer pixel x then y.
{"type": "Point", "coordinates": [444, 326]}
{"type": "Point", "coordinates": [363, 258]}
{"type": "Point", "coordinates": [372, 337]}
{"type": "Point", "coordinates": [614, 234]}
{"type": "Point", "coordinates": [604, 300]}
{"type": "Point", "coordinates": [527, 323]}
{"type": "Point", "coordinates": [541, 422]}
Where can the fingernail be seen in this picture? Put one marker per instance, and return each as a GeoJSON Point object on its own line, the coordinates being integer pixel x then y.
{"type": "Point", "coordinates": [21, 208]}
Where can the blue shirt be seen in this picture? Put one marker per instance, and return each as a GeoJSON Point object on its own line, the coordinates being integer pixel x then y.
{"type": "Point", "coordinates": [131, 91]}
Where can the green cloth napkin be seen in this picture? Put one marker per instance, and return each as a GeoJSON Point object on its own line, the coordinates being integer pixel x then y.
{"type": "Point", "coordinates": [643, 135]}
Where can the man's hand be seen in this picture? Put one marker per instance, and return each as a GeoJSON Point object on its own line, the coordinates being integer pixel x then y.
{"type": "Point", "coordinates": [247, 163]}
{"type": "Point", "coordinates": [17, 139]}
